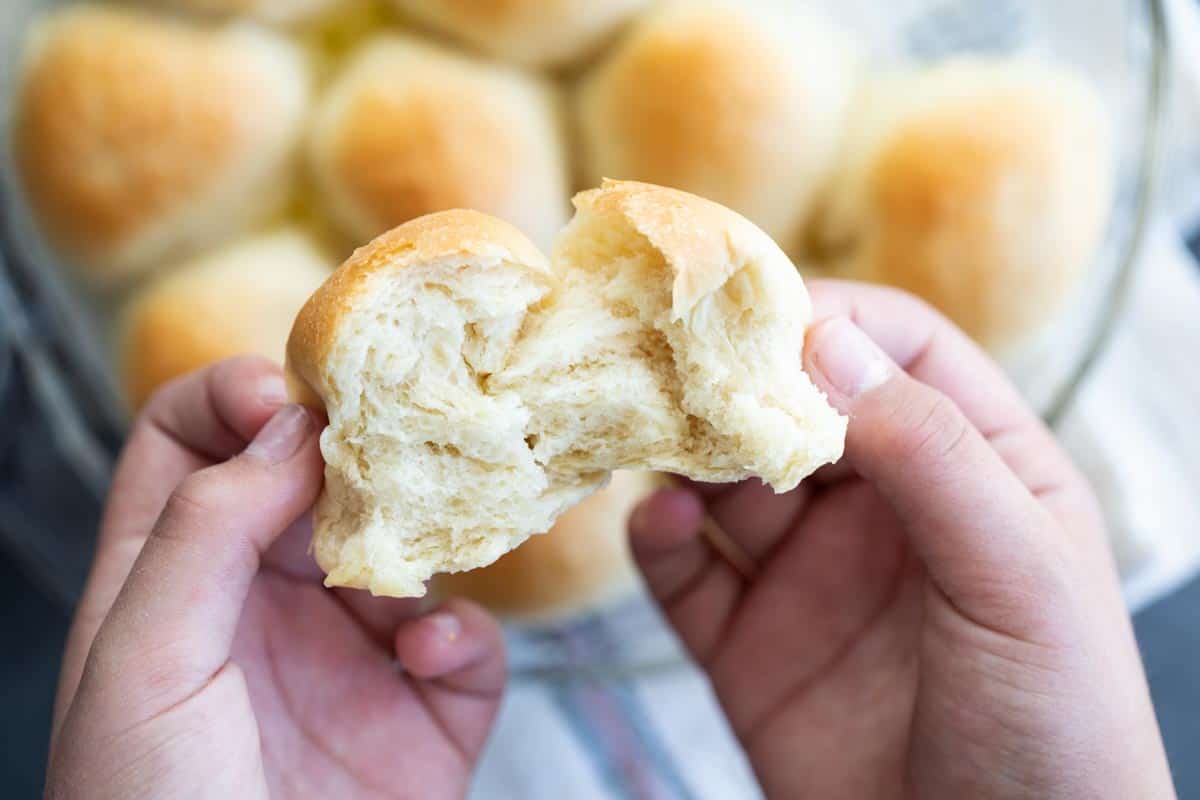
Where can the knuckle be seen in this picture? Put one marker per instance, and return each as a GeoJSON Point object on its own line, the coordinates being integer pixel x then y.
{"type": "Point", "coordinates": [932, 433]}
{"type": "Point", "coordinates": [199, 494]}
{"type": "Point", "coordinates": [919, 307]}
{"type": "Point", "coordinates": [160, 401]}
{"type": "Point", "coordinates": [910, 305]}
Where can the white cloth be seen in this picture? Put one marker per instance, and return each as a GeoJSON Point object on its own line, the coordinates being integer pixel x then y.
{"type": "Point", "coordinates": [1134, 427]}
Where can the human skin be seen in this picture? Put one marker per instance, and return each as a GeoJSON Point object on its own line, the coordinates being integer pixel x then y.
{"type": "Point", "coordinates": [938, 616]}
{"type": "Point", "coordinates": [206, 658]}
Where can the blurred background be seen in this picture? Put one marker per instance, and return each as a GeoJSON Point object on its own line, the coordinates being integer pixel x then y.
{"type": "Point", "coordinates": [179, 175]}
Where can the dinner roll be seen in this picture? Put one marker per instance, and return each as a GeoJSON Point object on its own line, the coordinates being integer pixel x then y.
{"type": "Point", "coordinates": [273, 11]}
{"type": "Point", "coordinates": [982, 186]}
{"type": "Point", "coordinates": [544, 33]}
{"type": "Point", "coordinates": [475, 390]}
{"type": "Point", "coordinates": [410, 128]}
{"type": "Point", "coordinates": [140, 139]}
{"type": "Point", "coordinates": [240, 299]}
{"type": "Point", "coordinates": [581, 565]}
{"type": "Point", "coordinates": [723, 103]}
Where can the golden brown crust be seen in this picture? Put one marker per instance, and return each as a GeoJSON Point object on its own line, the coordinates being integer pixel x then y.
{"type": "Point", "coordinates": [102, 95]}
{"type": "Point", "coordinates": [678, 101]}
{"type": "Point", "coordinates": [427, 149]}
{"type": "Point", "coordinates": [157, 348]}
{"type": "Point", "coordinates": [411, 128]}
{"type": "Point", "coordinates": [436, 237]}
{"type": "Point", "coordinates": [950, 193]}
{"type": "Point", "coordinates": [210, 309]}
{"type": "Point", "coordinates": [917, 197]}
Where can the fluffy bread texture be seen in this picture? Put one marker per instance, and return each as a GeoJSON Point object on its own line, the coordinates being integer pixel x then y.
{"type": "Point", "coordinates": [540, 33]}
{"type": "Point", "coordinates": [982, 186]}
{"type": "Point", "coordinates": [276, 12]}
{"type": "Point", "coordinates": [476, 390]}
{"type": "Point", "coordinates": [141, 139]}
{"type": "Point", "coordinates": [240, 299]}
{"type": "Point", "coordinates": [718, 101]}
{"type": "Point", "coordinates": [583, 564]}
{"type": "Point", "coordinates": [410, 128]}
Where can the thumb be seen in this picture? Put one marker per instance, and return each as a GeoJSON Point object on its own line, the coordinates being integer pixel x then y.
{"type": "Point", "coordinates": [987, 543]}
{"type": "Point", "coordinates": [177, 613]}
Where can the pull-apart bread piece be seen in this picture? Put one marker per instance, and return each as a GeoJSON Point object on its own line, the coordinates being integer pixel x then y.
{"type": "Point", "coordinates": [475, 390]}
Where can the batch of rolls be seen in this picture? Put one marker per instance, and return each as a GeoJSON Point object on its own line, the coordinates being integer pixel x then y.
{"type": "Point", "coordinates": [205, 164]}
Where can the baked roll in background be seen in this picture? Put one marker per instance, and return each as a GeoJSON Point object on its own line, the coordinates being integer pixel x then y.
{"type": "Point", "coordinates": [541, 33]}
{"type": "Point", "coordinates": [141, 139]}
{"type": "Point", "coordinates": [240, 299]}
{"type": "Point", "coordinates": [277, 12]}
{"type": "Point", "coordinates": [982, 186]}
{"type": "Point", "coordinates": [725, 103]}
{"type": "Point", "coordinates": [410, 128]}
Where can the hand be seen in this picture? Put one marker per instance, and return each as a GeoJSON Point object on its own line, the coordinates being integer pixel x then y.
{"type": "Point", "coordinates": [936, 617]}
{"type": "Point", "coordinates": [206, 659]}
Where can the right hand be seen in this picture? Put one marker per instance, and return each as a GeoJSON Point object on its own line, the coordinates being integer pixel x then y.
{"type": "Point", "coordinates": [937, 616]}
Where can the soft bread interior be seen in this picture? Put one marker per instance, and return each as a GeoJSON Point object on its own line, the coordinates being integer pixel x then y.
{"type": "Point", "coordinates": [630, 368]}
{"type": "Point", "coordinates": [428, 469]}
{"type": "Point", "coordinates": [474, 397]}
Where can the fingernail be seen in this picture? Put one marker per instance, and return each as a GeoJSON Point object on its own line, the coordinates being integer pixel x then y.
{"type": "Point", "coordinates": [448, 626]}
{"type": "Point", "coordinates": [272, 391]}
{"type": "Point", "coordinates": [283, 434]}
{"type": "Point", "coordinates": [849, 360]}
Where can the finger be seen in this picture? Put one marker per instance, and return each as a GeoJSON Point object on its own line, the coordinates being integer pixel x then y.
{"type": "Point", "coordinates": [989, 545]}
{"type": "Point", "coordinates": [380, 616]}
{"type": "Point", "coordinates": [706, 490]}
{"type": "Point", "coordinates": [832, 474]}
{"type": "Point", "coordinates": [195, 420]}
{"type": "Point", "coordinates": [931, 349]}
{"type": "Point", "coordinates": [927, 346]}
{"type": "Point", "coordinates": [291, 556]}
{"type": "Point", "coordinates": [755, 517]}
{"type": "Point", "coordinates": [176, 615]}
{"type": "Point", "coordinates": [696, 588]}
{"type": "Point", "coordinates": [456, 656]}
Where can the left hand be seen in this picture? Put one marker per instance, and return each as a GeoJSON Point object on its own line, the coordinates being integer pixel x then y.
{"type": "Point", "coordinates": [206, 658]}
